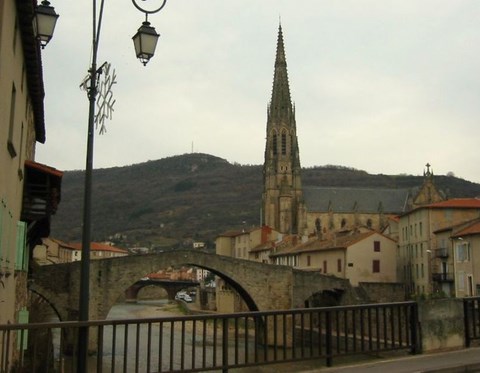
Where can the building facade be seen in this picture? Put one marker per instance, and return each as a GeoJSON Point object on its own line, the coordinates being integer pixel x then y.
{"type": "Point", "coordinates": [420, 250]}
{"type": "Point", "coordinates": [29, 191]}
{"type": "Point", "coordinates": [358, 257]}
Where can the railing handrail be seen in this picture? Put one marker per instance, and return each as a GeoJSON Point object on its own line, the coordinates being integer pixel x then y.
{"type": "Point", "coordinates": [74, 324]}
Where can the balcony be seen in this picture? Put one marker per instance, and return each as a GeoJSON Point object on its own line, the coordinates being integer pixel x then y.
{"type": "Point", "coordinates": [442, 277]}
{"type": "Point", "coordinates": [441, 253]}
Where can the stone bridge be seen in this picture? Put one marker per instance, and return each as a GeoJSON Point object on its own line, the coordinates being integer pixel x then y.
{"type": "Point", "coordinates": [172, 287]}
{"type": "Point", "coordinates": [262, 286]}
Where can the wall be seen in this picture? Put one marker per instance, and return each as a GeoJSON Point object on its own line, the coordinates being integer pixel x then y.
{"type": "Point", "coordinates": [382, 292]}
{"type": "Point", "coordinates": [441, 324]}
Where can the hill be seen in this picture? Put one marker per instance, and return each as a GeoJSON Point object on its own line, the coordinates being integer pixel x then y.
{"type": "Point", "coordinates": [169, 202]}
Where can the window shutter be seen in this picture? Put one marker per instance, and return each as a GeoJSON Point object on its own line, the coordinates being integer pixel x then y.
{"type": "Point", "coordinates": [22, 337]}
{"type": "Point", "coordinates": [21, 259]}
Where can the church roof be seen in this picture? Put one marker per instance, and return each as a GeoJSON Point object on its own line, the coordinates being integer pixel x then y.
{"type": "Point", "coordinates": [362, 200]}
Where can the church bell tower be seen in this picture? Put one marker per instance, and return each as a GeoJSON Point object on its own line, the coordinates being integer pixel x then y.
{"type": "Point", "coordinates": [283, 205]}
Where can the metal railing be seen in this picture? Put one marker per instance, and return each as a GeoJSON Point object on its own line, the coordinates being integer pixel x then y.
{"type": "Point", "coordinates": [471, 310]}
{"type": "Point", "coordinates": [213, 342]}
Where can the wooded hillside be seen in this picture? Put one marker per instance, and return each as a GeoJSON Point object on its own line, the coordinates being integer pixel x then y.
{"type": "Point", "coordinates": [169, 202]}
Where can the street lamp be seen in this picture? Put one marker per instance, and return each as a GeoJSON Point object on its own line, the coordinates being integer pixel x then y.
{"type": "Point", "coordinates": [146, 40]}
{"type": "Point", "coordinates": [44, 21]}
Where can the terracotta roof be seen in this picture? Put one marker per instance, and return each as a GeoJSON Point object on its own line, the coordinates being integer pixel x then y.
{"type": "Point", "coordinates": [340, 243]}
{"type": "Point", "coordinates": [95, 246]}
{"type": "Point", "coordinates": [231, 234]}
{"type": "Point", "coordinates": [264, 246]}
{"type": "Point", "coordinates": [63, 244]}
{"type": "Point", "coordinates": [43, 168]}
{"type": "Point", "coordinates": [467, 203]}
{"type": "Point", "coordinates": [474, 228]}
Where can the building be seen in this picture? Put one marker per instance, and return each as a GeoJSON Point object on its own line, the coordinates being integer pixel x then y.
{"type": "Point", "coordinates": [242, 244]}
{"type": "Point", "coordinates": [29, 191]}
{"type": "Point", "coordinates": [455, 262]}
{"type": "Point", "coordinates": [53, 251]}
{"type": "Point", "coordinates": [358, 257]}
{"type": "Point", "coordinates": [420, 236]}
{"type": "Point", "coordinates": [101, 250]}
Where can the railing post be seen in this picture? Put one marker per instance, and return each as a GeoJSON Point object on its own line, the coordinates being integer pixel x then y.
{"type": "Point", "coordinates": [328, 336]}
{"type": "Point", "coordinates": [225, 345]}
{"type": "Point", "coordinates": [414, 349]}
{"type": "Point", "coordinates": [466, 320]}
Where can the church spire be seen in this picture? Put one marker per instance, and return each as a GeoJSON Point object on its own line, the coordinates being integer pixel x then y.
{"type": "Point", "coordinates": [283, 206]}
{"type": "Point", "coordinates": [281, 104]}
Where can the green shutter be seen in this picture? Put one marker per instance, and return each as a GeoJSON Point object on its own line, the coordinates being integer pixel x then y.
{"type": "Point", "coordinates": [21, 259]}
{"type": "Point", "coordinates": [2, 212]}
{"type": "Point", "coordinates": [22, 336]}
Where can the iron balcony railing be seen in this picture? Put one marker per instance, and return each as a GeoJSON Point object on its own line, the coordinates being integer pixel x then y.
{"type": "Point", "coordinates": [443, 277]}
{"type": "Point", "coordinates": [213, 342]}
{"type": "Point", "coordinates": [441, 252]}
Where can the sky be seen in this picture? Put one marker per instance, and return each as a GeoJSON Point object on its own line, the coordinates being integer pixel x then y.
{"type": "Point", "coordinates": [383, 86]}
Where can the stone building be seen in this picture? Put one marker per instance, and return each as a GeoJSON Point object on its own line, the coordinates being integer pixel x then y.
{"type": "Point", "coordinates": [29, 191]}
{"type": "Point", "coordinates": [427, 239]}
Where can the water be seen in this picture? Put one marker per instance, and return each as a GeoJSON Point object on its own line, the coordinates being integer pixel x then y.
{"type": "Point", "coordinates": [130, 351]}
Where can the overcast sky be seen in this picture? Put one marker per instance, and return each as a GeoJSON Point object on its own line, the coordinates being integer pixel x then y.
{"type": "Point", "coordinates": [383, 86]}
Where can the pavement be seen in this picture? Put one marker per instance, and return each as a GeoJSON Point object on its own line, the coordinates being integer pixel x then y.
{"type": "Point", "coordinates": [464, 360]}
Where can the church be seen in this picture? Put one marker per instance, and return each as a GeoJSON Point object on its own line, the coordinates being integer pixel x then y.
{"type": "Point", "coordinates": [292, 209]}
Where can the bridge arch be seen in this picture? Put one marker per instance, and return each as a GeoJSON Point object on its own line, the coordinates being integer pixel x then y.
{"type": "Point", "coordinates": [262, 286]}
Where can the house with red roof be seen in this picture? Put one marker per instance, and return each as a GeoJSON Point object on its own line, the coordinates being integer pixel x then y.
{"type": "Point", "coordinates": [53, 251]}
{"type": "Point", "coordinates": [357, 256]}
{"type": "Point", "coordinates": [456, 261]}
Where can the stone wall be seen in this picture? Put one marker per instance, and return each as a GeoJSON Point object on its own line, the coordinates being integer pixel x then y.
{"type": "Point", "coordinates": [382, 292]}
{"type": "Point", "coordinates": [441, 324]}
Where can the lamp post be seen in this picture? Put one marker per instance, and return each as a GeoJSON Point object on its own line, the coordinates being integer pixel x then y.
{"type": "Point", "coordinates": [145, 47]}
{"type": "Point", "coordinates": [145, 41]}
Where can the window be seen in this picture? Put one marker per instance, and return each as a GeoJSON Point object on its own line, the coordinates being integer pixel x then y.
{"type": "Point", "coordinates": [284, 143]}
{"type": "Point", "coordinates": [376, 266]}
{"type": "Point", "coordinates": [420, 227]}
{"type": "Point", "coordinates": [274, 144]}
{"type": "Point", "coordinates": [308, 261]}
{"type": "Point", "coordinates": [324, 266]}
{"type": "Point", "coordinates": [10, 145]}
{"type": "Point", "coordinates": [463, 252]}
{"type": "Point", "coordinates": [343, 223]}
{"type": "Point", "coordinates": [369, 223]}
{"type": "Point", "coordinates": [376, 246]}
{"type": "Point", "coordinates": [339, 265]}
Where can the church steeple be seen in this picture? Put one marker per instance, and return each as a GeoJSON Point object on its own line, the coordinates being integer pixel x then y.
{"type": "Point", "coordinates": [283, 207]}
{"type": "Point", "coordinates": [281, 104]}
